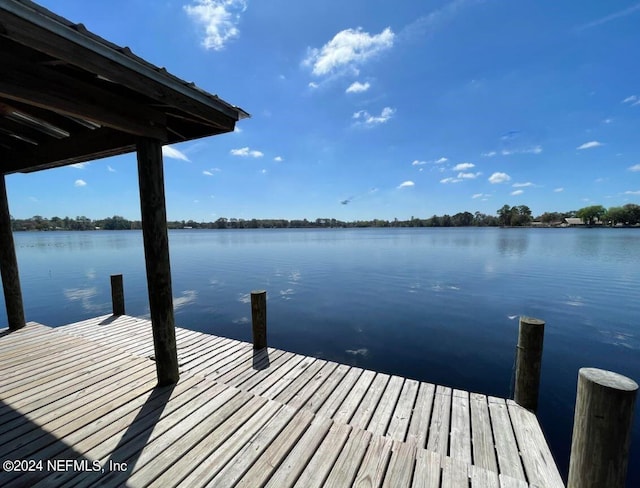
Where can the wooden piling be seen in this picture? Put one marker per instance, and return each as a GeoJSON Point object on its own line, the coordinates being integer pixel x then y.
{"type": "Point", "coordinates": [156, 251]}
{"type": "Point", "coordinates": [602, 429]}
{"type": "Point", "coordinates": [529, 362]}
{"type": "Point", "coordinates": [259, 318]}
{"type": "Point", "coordinates": [9, 265]}
{"type": "Point", "coordinates": [117, 295]}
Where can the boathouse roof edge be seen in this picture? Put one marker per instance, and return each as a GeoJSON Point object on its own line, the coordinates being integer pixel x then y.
{"type": "Point", "coordinates": [67, 95]}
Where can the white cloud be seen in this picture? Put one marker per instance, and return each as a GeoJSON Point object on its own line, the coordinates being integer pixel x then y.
{"type": "Point", "coordinates": [188, 296]}
{"type": "Point", "coordinates": [522, 185]}
{"type": "Point", "coordinates": [207, 173]}
{"type": "Point", "coordinates": [357, 87]}
{"type": "Point", "coordinates": [347, 49]}
{"type": "Point", "coordinates": [406, 184]}
{"type": "Point", "coordinates": [80, 183]}
{"type": "Point", "coordinates": [237, 129]}
{"type": "Point", "coordinates": [484, 196]}
{"type": "Point", "coordinates": [558, 190]}
{"type": "Point", "coordinates": [489, 154]}
{"type": "Point", "coordinates": [278, 159]}
{"type": "Point", "coordinates": [79, 165]}
{"type": "Point", "coordinates": [366, 118]}
{"type": "Point", "coordinates": [589, 145]}
{"type": "Point", "coordinates": [499, 178]}
{"type": "Point", "coordinates": [219, 18]}
{"type": "Point", "coordinates": [630, 99]}
{"type": "Point", "coordinates": [463, 166]}
{"type": "Point", "coordinates": [173, 153]}
{"type": "Point", "coordinates": [110, 169]}
{"type": "Point", "coordinates": [245, 152]}
{"type": "Point", "coordinates": [450, 180]}
{"type": "Point", "coordinates": [517, 192]}
{"type": "Point", "coordinates": [211, 172]}
{"type": "Point", "coordinates": [635, 167]}
{"type": "Point", "coordinates": [526, 150]}
{"type": "Point", "coordinates": [313, 85]}
{"type": "Point", "coordinates": [629, 192]}
{"type": "Point", "coordinates": [469, 176]}
{"type": "Point", "coordinates": [435, 161]}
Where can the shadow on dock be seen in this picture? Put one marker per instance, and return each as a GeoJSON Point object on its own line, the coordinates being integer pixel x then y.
{"type": "Point", "coordinates": [261, 359]}
{"type": "Point", "coordinates": [36, 450]}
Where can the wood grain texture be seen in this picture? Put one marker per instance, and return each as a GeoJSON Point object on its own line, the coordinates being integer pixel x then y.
{"type": "Point", "coordinates": [284, 424]}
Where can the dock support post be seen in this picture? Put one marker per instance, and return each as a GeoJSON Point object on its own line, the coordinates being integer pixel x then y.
{"type": "Point", "coordinates": [9, 265]}
{"type": "Point", "coordinates": [259, 318]}
{"type": "Point", "coordinates": [117, 294]}
{"type": "Point", "coordinates": [601, 429]}
{"type": "Point", "coordinates": [156, 251]}
{"type": "Point", "coordinates": [529, 362]}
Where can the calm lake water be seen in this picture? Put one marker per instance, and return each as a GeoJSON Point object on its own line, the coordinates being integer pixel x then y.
{"type": "Point", "coordinates": [438, 305]}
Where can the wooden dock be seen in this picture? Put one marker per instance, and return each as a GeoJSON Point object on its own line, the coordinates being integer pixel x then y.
{"type": "Point", "coordinates": [86, 392]}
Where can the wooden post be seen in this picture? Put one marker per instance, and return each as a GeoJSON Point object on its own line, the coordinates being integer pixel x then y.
{"type": "Point", "coordinates": [9, 265]}
{"type": "Point", "coordinates": [529, 362]}
{"type": "Point", "coordinates": [156, 251]}
{"type": "Point", "coordinates": [259, 318]}
{"type": "Point", "coordinates": [117, 294]}
{"type": "Point", "coordinates": [601, 429]}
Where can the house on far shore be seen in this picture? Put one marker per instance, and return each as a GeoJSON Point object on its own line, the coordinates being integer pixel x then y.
{"type": "Point", "coordinates": [577, 222]}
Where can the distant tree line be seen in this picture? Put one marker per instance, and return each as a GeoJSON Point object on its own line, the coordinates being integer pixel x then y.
{"type": "Point", "coordinates": [507, 216]}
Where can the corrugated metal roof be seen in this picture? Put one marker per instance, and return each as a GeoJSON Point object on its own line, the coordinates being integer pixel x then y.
{"type": "Point", "coordinates": [77, 32]}
{"type": "Point", "coordinates": [67, 95]}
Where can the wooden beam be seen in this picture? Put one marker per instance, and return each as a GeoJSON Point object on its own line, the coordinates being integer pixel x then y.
{"type": "Point", "coordinates": [156, 251]}
{"type": "Point", "coordinates": [58, 121]}
{"type": "Point", "coordinates": [89, 52]}
{"type": "Point", "coordinates": [50, 89]}
{"type": "Point", "coordinates": [9, 265]}
{"type": "Point", "coordinates": [23, 130]}
{"type": "Point", "coordinates": [85, 145]}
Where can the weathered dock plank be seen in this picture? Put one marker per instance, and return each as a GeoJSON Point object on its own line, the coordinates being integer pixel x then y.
{"type": "Point", "coordinates": [374, 464]}
{"type": "Point", "coordinates": [401, 466]}
{"type": "Point", "coordinates": [538, 461]}
{"type": "Point", "coordinates": [438, 440]}
{"type": "Point", "coordinates": [507, 450]}
{"type": "Point", "coordinates": [318, 468]}
{"type": "Point", "coordinates": [460, 427]}
{"type": "Point", "coordinates": [399, 425]}
{"type": "Point", "coordinates": [387, 404]}
{"type": "Point", "coordinates": [427, 472]}
{"type": "Point", "coordinates": [247, 418]}
{"type": "Point", "coordinates": [484, 454]}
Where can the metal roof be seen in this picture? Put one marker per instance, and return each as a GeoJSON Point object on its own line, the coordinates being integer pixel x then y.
{"type": "Point", "coordinates": [67, 95]}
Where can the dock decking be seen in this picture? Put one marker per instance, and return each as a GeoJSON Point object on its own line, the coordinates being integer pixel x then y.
{"type": "Point", "coordinates": [87, 392]}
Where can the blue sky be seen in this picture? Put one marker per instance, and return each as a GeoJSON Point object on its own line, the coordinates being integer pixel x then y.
{"type": "Point", "coordinates": [403, 109]}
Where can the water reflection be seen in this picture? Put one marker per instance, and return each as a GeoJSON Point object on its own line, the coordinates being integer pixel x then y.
{"type": "Point", "coordinates": [589, 245]}
{"type": "Point", "coordinates": [513, 244]}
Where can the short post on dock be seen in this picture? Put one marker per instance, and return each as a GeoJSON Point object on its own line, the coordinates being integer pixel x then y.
{"type": "Point", "coordinates": [529, 362]}
{"type": "Point", "coordinates": [259, 318]}
{"type": "Point", "coordinates": [601, 429]}
{"type": "Point", "coordinates": [117, 294]}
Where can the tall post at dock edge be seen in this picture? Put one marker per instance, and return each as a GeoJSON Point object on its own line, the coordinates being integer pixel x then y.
{"type": "Point", "coordinates": [529, 362]}
{"type": "Point", "coordinates": [117, 294]}
{"type": "Point", "coordinates": [9, 265]}
{"type": "Point", "coordinates": [605, 404]}
{"type": "Point", "coordinates": [156, 255]}
{"type": "Point", "coordinates": [259, 318]}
